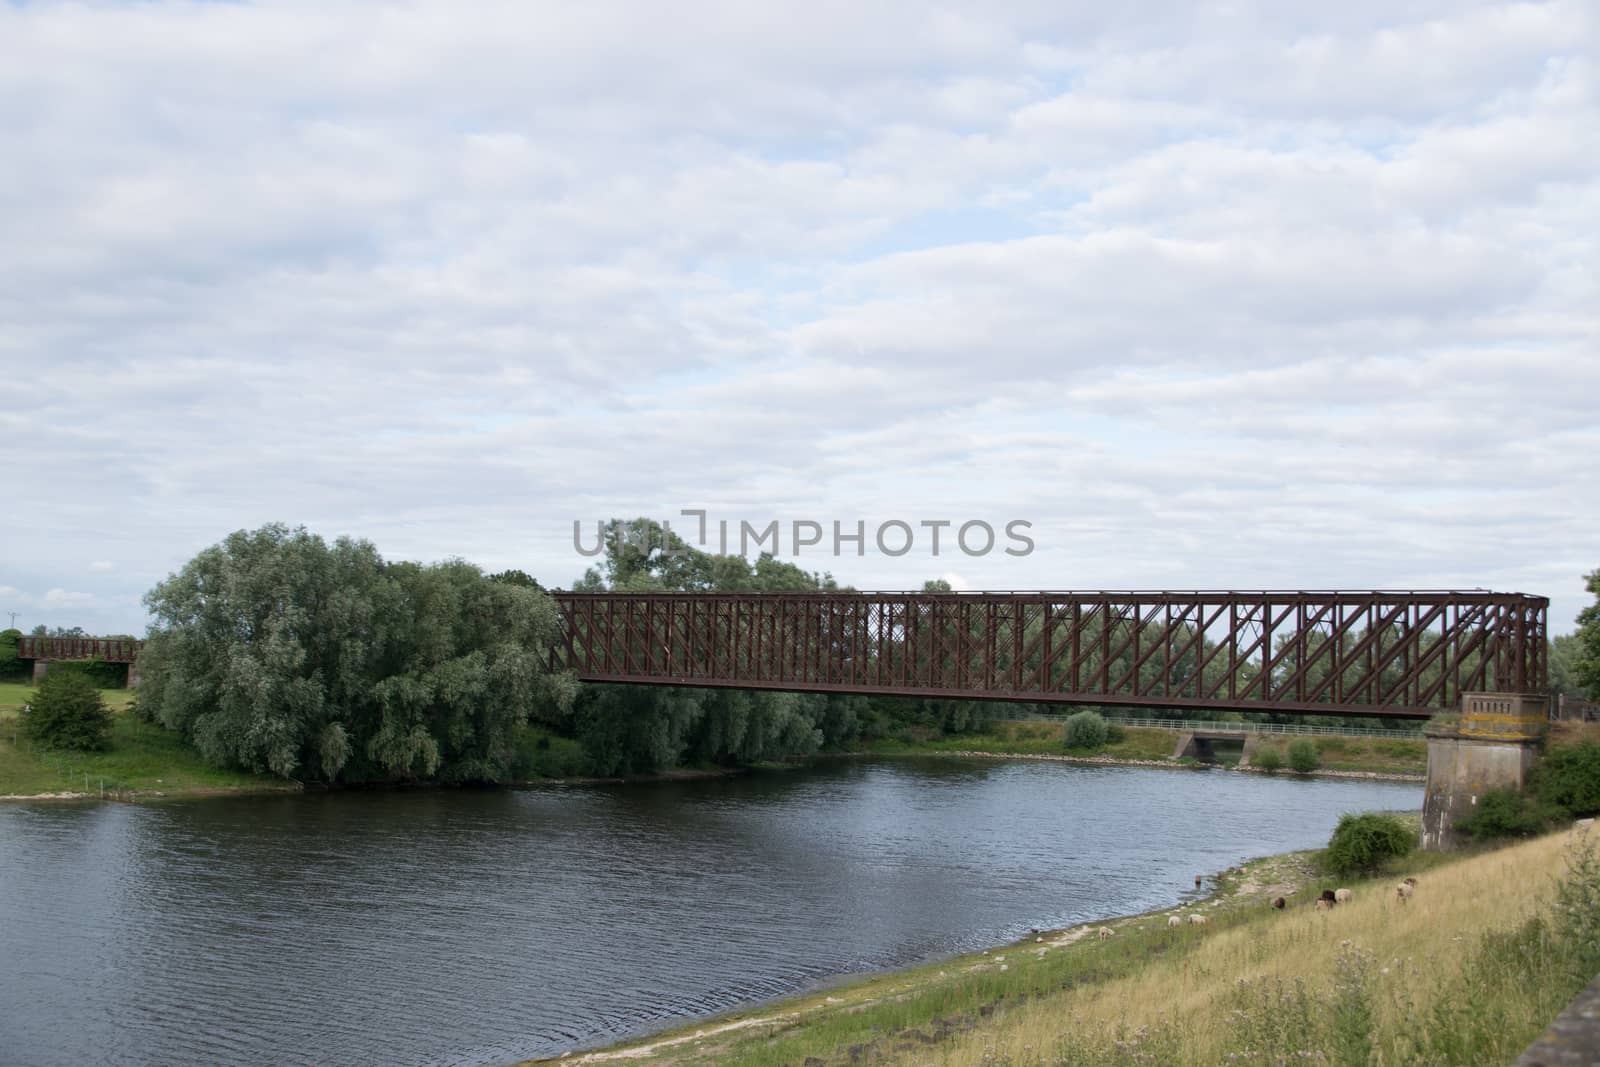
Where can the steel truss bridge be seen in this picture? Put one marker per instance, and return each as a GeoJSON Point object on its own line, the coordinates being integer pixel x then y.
{"type": "Point", "coordinates": [1396, 654]}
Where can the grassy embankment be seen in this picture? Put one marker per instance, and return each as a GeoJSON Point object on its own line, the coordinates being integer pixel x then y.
{"type": "Point", "coordinates": [1376, 755]}
{"type": "Point", "coordinates": [1456, 976]}
{"type": "Point", "coordinates": [143, 760]}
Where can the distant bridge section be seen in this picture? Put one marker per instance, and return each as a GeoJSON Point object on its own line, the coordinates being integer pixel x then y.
{"type": "Point", "coordinates": [1379, 653]}
{"type": "Point", "coordinates": [45, 650]}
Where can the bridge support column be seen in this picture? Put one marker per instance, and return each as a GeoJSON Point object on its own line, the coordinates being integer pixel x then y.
{"type": "Point", "coordinates": [41, 667]}
{"type": "Point", "coordinates": [133, 675]}
{"type": "Point", "coordinates": [1492, 746]}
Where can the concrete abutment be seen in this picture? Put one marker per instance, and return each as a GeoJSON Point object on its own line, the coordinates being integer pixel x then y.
{"type": "Point", "coordinates": [1492, 746]}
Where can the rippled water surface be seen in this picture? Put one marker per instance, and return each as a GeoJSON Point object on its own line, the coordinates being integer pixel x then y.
{"type": "Point", "coordinates": [486, 927]}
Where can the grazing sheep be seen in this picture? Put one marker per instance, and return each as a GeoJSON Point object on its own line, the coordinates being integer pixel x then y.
{"type": "Point", "coordinates": [1279, 903]}
{"type": "Point", "coordinates": [1105, 932]}
{"type": "Point", "coordinates": [1404, 890]}
{"type": "Point", "coordinates": [1322, 905]}
{"type": "Point", "coordinates": [1174, 920]}
{"type": "Point", "coordinates": [1198, 920]}
{"type": "Point", "coordinates": [1343, 896]}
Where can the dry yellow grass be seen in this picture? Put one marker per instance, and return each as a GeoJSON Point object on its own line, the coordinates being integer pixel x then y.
{"type": "Point", "coordinates": [1413, 945]}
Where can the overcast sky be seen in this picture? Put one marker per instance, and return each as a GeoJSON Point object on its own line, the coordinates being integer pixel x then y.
{"type": "Point", "coordinates": [1211, 295]}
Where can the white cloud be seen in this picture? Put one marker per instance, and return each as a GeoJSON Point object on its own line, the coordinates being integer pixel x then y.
{"type": "Point", "coordinates": [1242, 296]}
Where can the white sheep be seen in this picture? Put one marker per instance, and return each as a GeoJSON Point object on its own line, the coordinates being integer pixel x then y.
{"type": "Point", "coordinates": [1404, 890]}
{"type": "Point", "coordinates": [1342, 895]}
{"type": "Point", "coordinates": [1173, 920]}
{"type": "Point", "coordinates": [1105, 932]}
{"type": "Point", "coordinates": [1198, 920]}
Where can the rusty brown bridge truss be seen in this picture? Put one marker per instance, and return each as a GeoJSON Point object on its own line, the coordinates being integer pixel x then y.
{"type": "Point", "coordinates": [1399, 654]}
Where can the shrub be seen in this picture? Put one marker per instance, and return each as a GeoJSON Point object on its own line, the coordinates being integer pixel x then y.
{"type": "Point", "coordinates": [1570, 777]}
{"type": "Point", "coordinates": [1267, 758]}
{"type": "Point", "coordinates": [1086, 729]}
{"type": "Point", "coordinates": [11, 668]}
{"type": "Point", "coordinates": [1303, 756]}
{"type": "Point", "coordinates": [1361, 843]}
{"type": "Point", "coordinates": [1508, 813]}
{"type": "Point", "coordinates": [67, 712]}
{"type": "Point", "coordinates": [541, 754]}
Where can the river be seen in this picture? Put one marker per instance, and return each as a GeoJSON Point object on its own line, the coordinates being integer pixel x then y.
{"type": "Point", "coordinates": [483, 927]}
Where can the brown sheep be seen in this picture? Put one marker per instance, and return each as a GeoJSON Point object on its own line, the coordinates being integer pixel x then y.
{"type": "Point", "coordinates": [1279, 903]}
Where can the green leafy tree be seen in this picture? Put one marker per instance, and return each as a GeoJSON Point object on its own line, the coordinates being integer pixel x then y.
{"type": "Point", "coordinates": [11, 667]}
{"type": "Point", "coordinates": [1564, 653]}
{"type": "Point", "coordinates": [279, 652]}
{"type": "Point", "coordinates": [1569, 777]}
{"type": "Point", "coordinates": [1303, 755]}
{"type": "Point", "coordinates": [1586, 663]}
{"type": "Point", "coordinates": [67, 712]}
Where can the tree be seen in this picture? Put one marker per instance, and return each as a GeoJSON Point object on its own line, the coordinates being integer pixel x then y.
{"type": "Point", "coordinates": [1586, 663]}
{"type": "Point", "coordinates": [67, 712]}
{"type": "Point", "coordinates": [1565, 651]}
{"type": "Point", "coordinates": [278, 652]}
{"type": "Point", "coordinates": [11, 668]}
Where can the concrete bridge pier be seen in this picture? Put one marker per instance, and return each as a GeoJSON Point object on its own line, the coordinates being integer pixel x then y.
{"type": "Point", "coordinates": [1492, 746]}
{"type": "Point", "coordinates": [41, 667]}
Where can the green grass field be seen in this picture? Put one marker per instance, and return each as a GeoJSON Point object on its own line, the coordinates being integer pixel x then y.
{"type": "Point", "coordinates": [143, 759]}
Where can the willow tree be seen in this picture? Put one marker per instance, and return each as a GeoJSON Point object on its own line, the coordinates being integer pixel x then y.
{"type": "Point", "coordinates": [276, 651]}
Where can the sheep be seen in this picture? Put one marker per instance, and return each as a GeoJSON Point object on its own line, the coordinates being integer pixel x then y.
{"type": "Point", "coordinates": [1343, 896]}
{"type": "Point", "coordinates": [1279, 903]}
{"type": "Point", "coordinates": [1197, 880]}
{"type": "Point", "coordinates": [1322, 905]}
{"type": "Point", "coordinates": [1404, 890]}
{"type": "Point", "coordinates": [1174, 920]}
{"type": "Point", "coordinates": [1198, 920]}
{"type": "Point", "coordinates": [1105, 932]}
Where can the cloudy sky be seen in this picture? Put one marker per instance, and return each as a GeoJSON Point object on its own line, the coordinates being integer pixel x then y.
{"type": "Point", "coordinates": [1212, 295]}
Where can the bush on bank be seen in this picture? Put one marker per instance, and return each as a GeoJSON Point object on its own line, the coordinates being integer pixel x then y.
{"type": "Point", "coordinates": [1569, 777]}
{"type": "Point", "coordinates": [1361, 843]}
{"type": "Point", "coordinates": [1303, 756]}
{"type": "Point", "coordinates": [1086, 729]}
{"type": "Point", "coordinates": [1267, 758]}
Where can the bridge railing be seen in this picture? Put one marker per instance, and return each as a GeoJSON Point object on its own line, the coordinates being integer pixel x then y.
{"type": "Point", "coordinates": [1241, 728]}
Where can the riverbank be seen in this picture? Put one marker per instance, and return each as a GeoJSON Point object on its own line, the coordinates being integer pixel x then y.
{"type": "Point", "coordinates": [143, 761]}
{"type": "Point", "coordinates": [1386, 759]}
{"type": "Point", "coordinates": [1453, 969]}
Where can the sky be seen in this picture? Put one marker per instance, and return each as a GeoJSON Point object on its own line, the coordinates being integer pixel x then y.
{"type": "Point", "coordinates": [1243, 295]}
